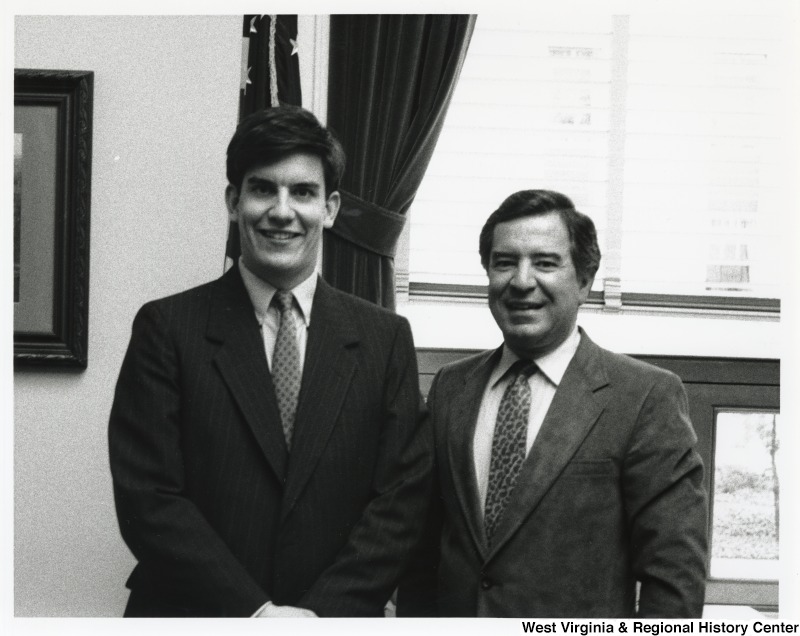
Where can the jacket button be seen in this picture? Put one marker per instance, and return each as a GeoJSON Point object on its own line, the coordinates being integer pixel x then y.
{"type": "Point", "coordinates": [486, 583]}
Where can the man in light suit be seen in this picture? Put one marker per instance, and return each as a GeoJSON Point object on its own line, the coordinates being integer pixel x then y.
{"type": "Point", "coordinates": [566, 480]}
{"type": "Point", "coordinates": [268, 457]}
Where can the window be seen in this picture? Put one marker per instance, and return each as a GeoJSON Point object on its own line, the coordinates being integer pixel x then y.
{"type": "Point", "coordinates": [734, 406]}
{"type": "Point", "coordinates": [668, 130]}
{"type": "Point", "coordinates": [746, 508]}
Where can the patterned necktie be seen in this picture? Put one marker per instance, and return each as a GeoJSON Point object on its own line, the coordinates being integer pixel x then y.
{"type": "Point", "coordinates": [508, 444]}
{"type": "Point", "coordinates": [286, 364]}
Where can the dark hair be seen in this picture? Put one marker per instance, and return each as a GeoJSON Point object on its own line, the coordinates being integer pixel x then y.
{"type": "Point", "coordinates": [584, 250]}
{"type": "Point", "coordinates": [271, 134]}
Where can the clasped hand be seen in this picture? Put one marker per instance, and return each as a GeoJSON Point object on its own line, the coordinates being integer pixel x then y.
{"type": "Point", "coordinates": [285, 611]}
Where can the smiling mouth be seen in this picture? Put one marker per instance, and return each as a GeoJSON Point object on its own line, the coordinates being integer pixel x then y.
{"type": "Point", "coordinates": [278, 235]}
{"type": "Point", "coordinates": [517, 305]}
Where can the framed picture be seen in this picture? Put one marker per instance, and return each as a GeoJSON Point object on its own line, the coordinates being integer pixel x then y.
{"type": "Point", "coordinates": [52, 186]}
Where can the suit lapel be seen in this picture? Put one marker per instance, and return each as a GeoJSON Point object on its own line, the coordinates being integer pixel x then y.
{"type": "Point", "coordinates": [327, 372]}
{"type": "Point", "coordinates": [460, 432]}
{"type": "Point", "coordinates": [243, 365]}
{"type": "Point", "coordinates": [576, 407]}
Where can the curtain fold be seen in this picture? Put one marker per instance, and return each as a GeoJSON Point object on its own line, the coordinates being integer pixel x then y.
{"type": "Point", "coordinates": [391, 78]}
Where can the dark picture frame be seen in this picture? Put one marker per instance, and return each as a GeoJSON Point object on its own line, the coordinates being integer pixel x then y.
{"type": "Point", "coordinates": [52, 196]}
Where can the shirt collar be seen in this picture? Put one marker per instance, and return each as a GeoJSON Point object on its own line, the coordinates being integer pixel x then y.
{"type": "Point", "coordinates": [261, 293]}
{"type": "Point", "coordinates": [553, 365]}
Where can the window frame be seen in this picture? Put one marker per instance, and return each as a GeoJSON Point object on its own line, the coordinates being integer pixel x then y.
{"type": "Point", "coordinates": [613, 299]}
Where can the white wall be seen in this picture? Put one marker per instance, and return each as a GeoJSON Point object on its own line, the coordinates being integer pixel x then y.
{"type": "Point", "coordinates": [467, 324]}
{"type": "Point", "coordinates": [165, 106]}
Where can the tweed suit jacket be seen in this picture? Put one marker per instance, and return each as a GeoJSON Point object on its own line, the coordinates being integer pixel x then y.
{"type": "Point", "coordinates": [610, 494]}
{"type": "Point", "coordinates": [220, 517]}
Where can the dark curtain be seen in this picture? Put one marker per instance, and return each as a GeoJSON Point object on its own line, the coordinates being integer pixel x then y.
{"type": "Point", "coordinates": [391, 78]}
{"type": "Point", "coordinates": [256, 89]}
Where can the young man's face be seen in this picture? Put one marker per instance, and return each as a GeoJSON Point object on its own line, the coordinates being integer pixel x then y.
{"type": "Point", "coordinates": [281, 211]}
{"type": "Point", "coordinates": [534, 290]}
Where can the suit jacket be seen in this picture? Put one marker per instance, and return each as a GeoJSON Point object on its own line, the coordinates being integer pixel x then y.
{"type": "Point", "coordinates": [610, 494]}
{"type": "Point", "coordinates": [220, 517]}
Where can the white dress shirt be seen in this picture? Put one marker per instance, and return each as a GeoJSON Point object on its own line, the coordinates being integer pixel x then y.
{"type": "Point", "coordinates": [543, 383]}
{"type": "Point", "coordinates": [269, 316]}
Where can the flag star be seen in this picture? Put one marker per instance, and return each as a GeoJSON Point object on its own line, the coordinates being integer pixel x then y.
{"type": "Point", "coordinates": [294, 46]}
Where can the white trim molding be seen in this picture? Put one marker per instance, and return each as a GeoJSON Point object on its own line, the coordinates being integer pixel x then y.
{"type": "Point", "coordinates": [313, 35]}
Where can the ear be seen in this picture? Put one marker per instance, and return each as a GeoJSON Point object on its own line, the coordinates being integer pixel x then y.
{"type": "Point", "coordinates": [586, 286]}
{"type": "Point", "coordinates": [232, 201]}
{"type": "Point", "coordinates": [332, 208]}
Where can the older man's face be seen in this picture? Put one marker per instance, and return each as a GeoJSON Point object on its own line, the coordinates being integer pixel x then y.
{"type": "Point", "coordinates": [534, 290]}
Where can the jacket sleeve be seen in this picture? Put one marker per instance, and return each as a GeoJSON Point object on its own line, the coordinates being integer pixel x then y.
{"type": "Point", "coordinates": [181, 558]}
{"type": "Point", "coordinates": [367, 569]}
{"type": "Point", "coordinates": [666, 505]}
{"type": "Point", "coordinates": [417, 594]}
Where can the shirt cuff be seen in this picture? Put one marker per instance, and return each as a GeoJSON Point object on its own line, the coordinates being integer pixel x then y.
{"type": "Point", "coordinates": [260, 611]}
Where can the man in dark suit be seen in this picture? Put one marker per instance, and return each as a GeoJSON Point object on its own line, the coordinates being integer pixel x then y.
{"type": "Point", "coordinates": [567, 475]}
{"type": "Point", "coordinates": [265, 439]}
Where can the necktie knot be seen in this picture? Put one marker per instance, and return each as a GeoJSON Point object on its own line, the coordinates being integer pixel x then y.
{"type": "Point", "coordinates": [283, 300]}
{"type": "Point", "coordinates": [522, 368]}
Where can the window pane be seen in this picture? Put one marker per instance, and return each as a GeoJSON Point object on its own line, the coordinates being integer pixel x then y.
{"type": "Point", "coordinates": [703, 133]}
{"type": "Point", "coordinates": [667, 129]}
{"type": "Point", "coordinates": [531, 110]}
{"type": "Point", "coordinates": [746, 506]}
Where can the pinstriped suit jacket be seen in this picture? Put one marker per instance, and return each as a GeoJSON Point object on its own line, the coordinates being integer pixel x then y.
{"type": "Point", "coordinates": [220, 517]}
